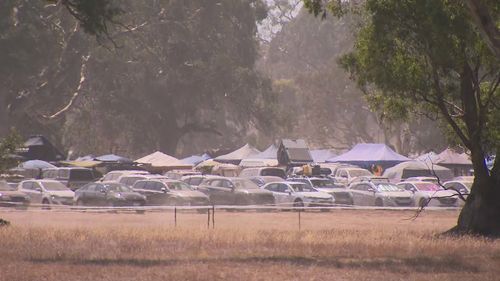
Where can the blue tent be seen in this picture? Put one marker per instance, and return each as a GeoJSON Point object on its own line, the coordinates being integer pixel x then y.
{"type": "Point", "coordinates": [270, 153]}
{"type": "Point", "coordinates": [195, 159]}
{"type": "Point", "coordinates": [36, 164]}
{"type": "Point", "coordinates": [322, 155]}
{"type": "Point", "coordinates": [113, 158]}
{"type": "Point", "coordinates": [366, 154]}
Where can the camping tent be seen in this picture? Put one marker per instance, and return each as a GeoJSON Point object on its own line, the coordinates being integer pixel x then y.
{"type": "Point", "coordinates": [36, 164]}
{"type": "Point", "coordinates": [414, 168]}
{"type": "Point", "coordinates": [459, 163]}
{"type": "Point", "coordinates": [40, 148]}
{"type": "Point", "coordinates": [269, 153]}
{"type": "Point", "coordinates": [367, 154]}
{"type": "Point", "coordinates": [160, 160]}
{"type": "Point", "coordinates": [113, 158]}
{"type": "Point", "coordinates": [235, 157]}
{"type": "Point", "coordinates": [321, 155]}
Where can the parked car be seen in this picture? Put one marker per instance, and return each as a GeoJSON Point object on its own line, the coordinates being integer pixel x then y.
{"type": "Point", "coordinates": [262, 180]}
{"type": "Point", "coordinates": [347, 174]}
{"type": "Point", "coordinates": [117, 174]}
{"type": "Point", "coordinates": [426, 179]}
{"type": "Point", "coordinates": [11, 197]}
{"type": "Point", "coordinates": [340, 192]}
{"type": "Point", "coordinates": [72, 177]}
{"type": "Point", "coordinates": [298, 194]}
{"type": "Point", "coordinates": [195, 180]}
{"type": "Point", "coordinates": [178, 174]}
{"type": "Point", "coordinates": [109, 194]}
{"type": "Point", "coordinates": [263, 171]}
{"type": "Point", "coordinates": [129, 179]}
{"type": "Point", "coordinates": [462, 186]}
{"type": "Point", "coordinates": [47, 192]}
{"type": "Point", "coordinates": [424, 191]}
{"type": "Point", "coordinates": [170, 192]}
{"type": "Point", "coordinates": [380, 194]}
{"type": "Point", "coordinates": [235, 191]}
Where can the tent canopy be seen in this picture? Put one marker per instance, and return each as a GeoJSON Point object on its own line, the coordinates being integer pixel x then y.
{"type": "Point", "coordinates": [321, 155]}
{"type": "Point", "coordinates": [370, 153]}
{"type": "Point", "coordinates": [269, 153]}
{"type": "Point", "coordinates": [414, 168]}
{"type": "Point", "coordinates": [235, 157]}
{"type": "Point", "coordinates": [159, 159]}
{"type": "Point", "coordinates": [38, 147]}
{"type": "Point", "coordinates": [113, 158]}
{"type": "Point", "coordinates": [448, 156]}
{"type": "Point", "coordinates": [195, 159]}
{"type": "Point", "coordinates": [36, 164]}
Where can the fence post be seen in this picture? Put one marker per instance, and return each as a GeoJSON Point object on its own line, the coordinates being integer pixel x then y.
{"type": "Point", "coordinates": [213, 216]}
{"type": "Point", "coordinates": [208, 218]}
{"type": "Point", "coordinates": [175, 215]}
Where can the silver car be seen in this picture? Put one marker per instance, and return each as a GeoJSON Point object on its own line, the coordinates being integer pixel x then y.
{"type": "Point", "coordinates": [47, 192]}
{"type": "Point", "coordinates": [298, 194]}
{"type": "Point", "coordinates": [430, 194]}
{"type": "Point", "coordinates": [380, 194]}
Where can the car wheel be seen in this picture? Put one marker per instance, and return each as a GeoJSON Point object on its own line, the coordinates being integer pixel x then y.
{"type": "Point", "coordinates": [423, 202]}
{"type": "Point", "coordinates": [141, 211]}
{"type": "Point", "coordinates": [379, 202]}
{"type": "Point", "coordinates": [45, 204]}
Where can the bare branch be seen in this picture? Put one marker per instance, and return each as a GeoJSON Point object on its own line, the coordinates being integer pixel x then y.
{"type": "Point", "coordinates": [76, 93]}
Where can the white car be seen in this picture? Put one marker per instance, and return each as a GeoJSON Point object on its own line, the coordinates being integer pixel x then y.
{"type": "Point", "coordinates": [298, 194]}
{"type": "Point", "coordinates": [430, 194]}
{"type": "Point", "coordinates": [346, 175]}
{"type": "Point", "coordinates": [49, 192]}
{"type": "Point", "coordinates": [380, 193]}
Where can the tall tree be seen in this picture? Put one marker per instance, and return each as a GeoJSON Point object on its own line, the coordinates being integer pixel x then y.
{"type": "Point", "coordinates": [429, 55]}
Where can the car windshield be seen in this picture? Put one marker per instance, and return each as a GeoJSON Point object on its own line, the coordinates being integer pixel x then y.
{"type": "Point", "coordinates": [178, 185]}
{"type": "Point", "coordinates": [468, 184]}
{"type": "Point", "coordinates": [4, 186]}
{"type": "Point", "coordinates": [244, 184]}
{"type": "Point", "coordinates": [427, 186]}
{"type": "Point", "coordinates": [117, 187]}
{"type": "Point", "coordinates": [359, 173]}
{"type": "Point", "coordinates": [81, 175]}
{"type": "Point", "coordinates": [54, 186]}
{"type": "Point", "coordinates": [300, 187]}
{"type": "Point", "coordinates": [386, 187]}
{"type": "Point", "coordinates": [324, 183]}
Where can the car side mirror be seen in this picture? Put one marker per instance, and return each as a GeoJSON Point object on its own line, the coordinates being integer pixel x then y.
{"type": "Point", "coordinates": [103, 190]}
{"type": "Point", "coordinates": [289, 192]}
{"type": "Point", "coordinates": [164, 190]}
{"type": "Point", "coordinates": [371, 190]}
{"type": "Point", "coordinates": [38, 189]}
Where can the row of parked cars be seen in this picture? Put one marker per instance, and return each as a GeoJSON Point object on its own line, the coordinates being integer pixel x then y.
{"type": "Point", "coordinates": [255, 186]}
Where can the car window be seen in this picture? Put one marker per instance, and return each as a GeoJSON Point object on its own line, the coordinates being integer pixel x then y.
{"type": "Point", "coordinates": [386, 187]}
{"type": "Point", "coordinates": [244, 184]}
{"type": "Point", "coordinates": [343, 174]}
{"type": "Point", "coordinates": [272, 187]}
{"type": "Point", "coordinates": [302, 188]}
{"type": "Point", "coordinates": [283, 188]}
{"type": "Point", "coordinates": [359, 173]}
{"type": "Point", "coordinates": [276, 172]}
{"type": "Point", "coordinates": [140, 184]}
{"type": "Point", "coordinates": [63, 174]}
{"type": "Point", "coordinates": [195, 181]}
{"type": "Point", "coordinates": [81, 175]}
{"type": "Point", "coordinates": [28, 185]}
{"type": "Point", "coordinates": [216, 183]}
{"type": "Point", "coordinates": [116, 187]}
{"type": "Point", "coordinates": [324, 183]}
{"type": "Point", "coordinates": [90, 187]}
{"type": "Point", "coordinates": [178, 185]}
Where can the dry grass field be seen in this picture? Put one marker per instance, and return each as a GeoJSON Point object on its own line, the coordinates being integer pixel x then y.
{"type": "Point", "coordinates": [336, 245]}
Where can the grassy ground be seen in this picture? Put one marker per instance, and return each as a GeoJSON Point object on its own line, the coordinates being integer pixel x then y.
{"type": "Point", "coordinates": [336, 245]}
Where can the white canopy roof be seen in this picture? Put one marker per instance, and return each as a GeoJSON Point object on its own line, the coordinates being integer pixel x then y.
{"type": "Point", "coordinates": [246, 151]}
{"type": "Point", "coordinates": [160, 159]}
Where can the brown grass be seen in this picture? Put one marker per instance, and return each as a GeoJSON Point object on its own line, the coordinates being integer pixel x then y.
{"type": "Point", "coordinates": [338, 245]}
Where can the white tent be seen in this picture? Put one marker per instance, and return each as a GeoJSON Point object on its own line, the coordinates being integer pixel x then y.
{"type": "Point", "coordinates": [269, 153]}
{"type": "Point", "coordinates": [413, 168]}
{"type": "Point", "coordinates": [235, 157]}
{"type": "Point", "coordinates": [161, 160]}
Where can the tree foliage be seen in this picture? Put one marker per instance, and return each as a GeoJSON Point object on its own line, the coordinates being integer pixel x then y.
{"type": "Point", "coordinates": [8, 146]}
{"type": "Point", "coordinates": [429, 55]}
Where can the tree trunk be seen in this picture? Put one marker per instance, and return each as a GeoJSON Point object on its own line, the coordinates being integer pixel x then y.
{"type": "Point", "coordinates": [481, 213]}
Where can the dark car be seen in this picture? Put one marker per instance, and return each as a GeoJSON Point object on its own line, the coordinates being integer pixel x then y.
{"type": "Point", "coordinates": [11, 197]}
{"type": "Point", "coordinates": [170, 192]}
{"type": "Point", "coordinates": [72, 177]}
{"type": "Point", "coordinates": [235, 191]}
{"type": "Point", "coordinates": [108, 194]}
